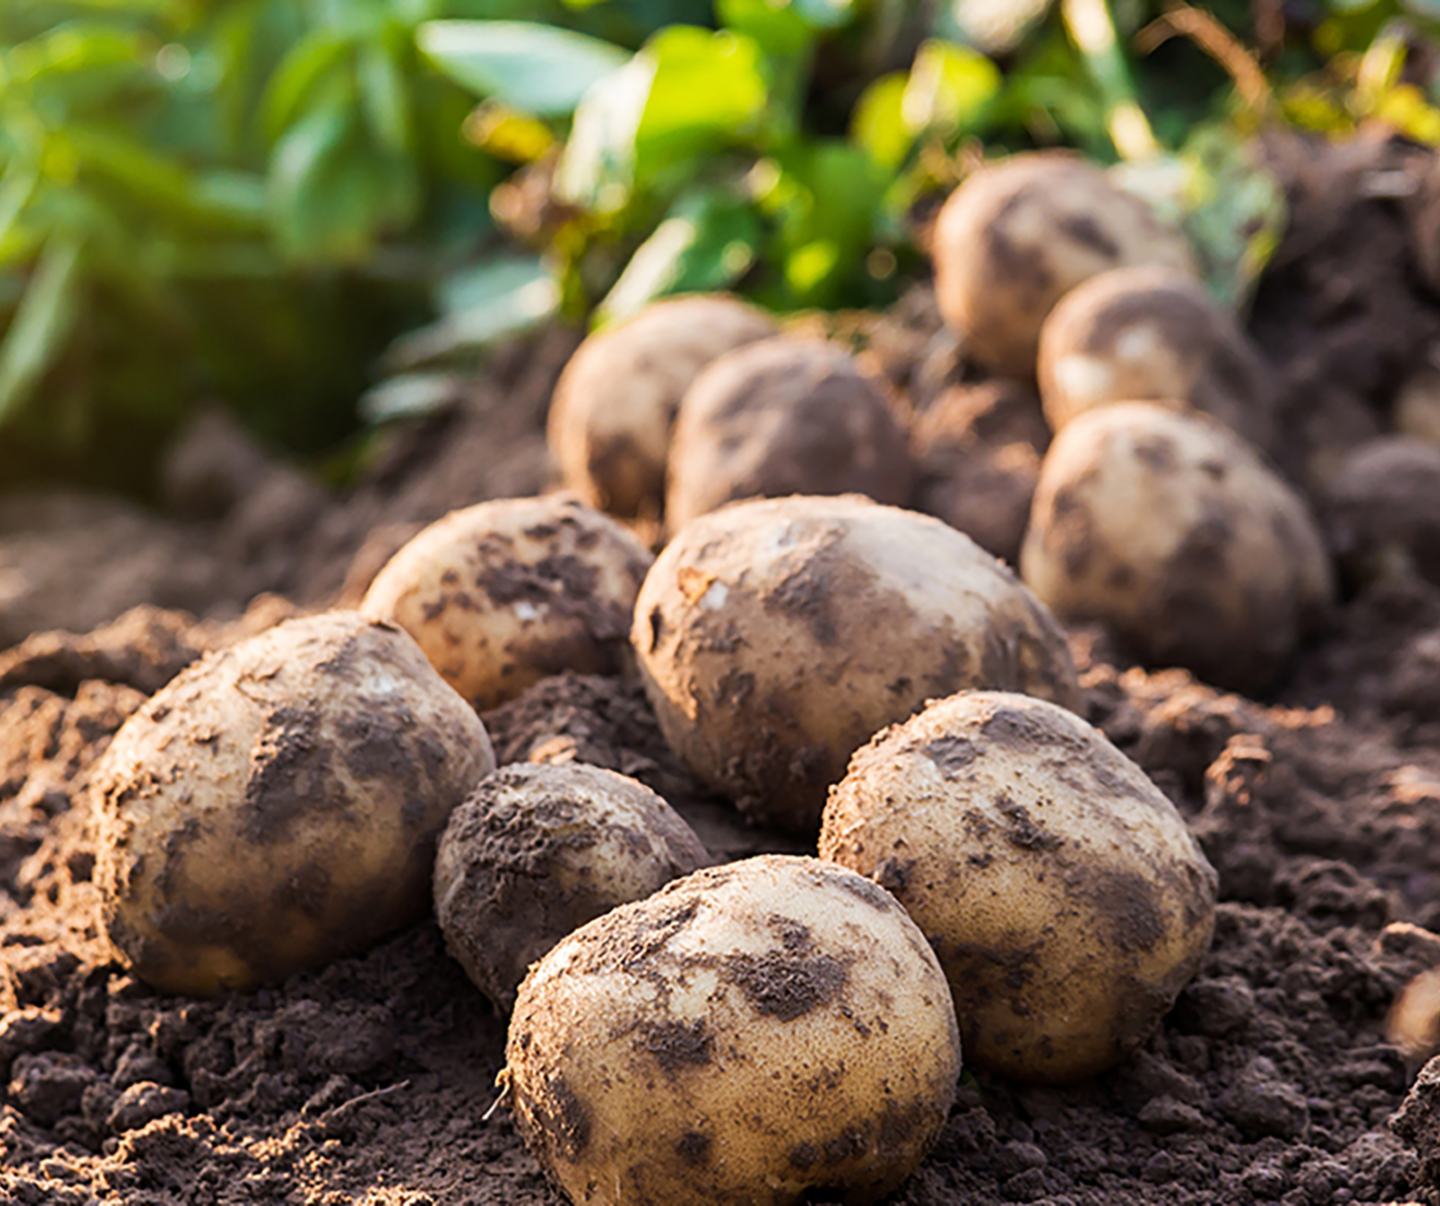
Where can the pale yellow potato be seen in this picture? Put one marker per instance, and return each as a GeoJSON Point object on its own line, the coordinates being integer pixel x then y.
{"type": "Point", "coordinates": [1171, 530]}
{"type": "Point", "coordinates": [1153, 335]}
{"type": "Point", "coordinates": [615, 402]}
{"type": "Point", "coordinates": [537, 851]}
{"type": "Point", "coordinates": [747, 1034]}
{"type": "Point", "coordinates": [276, 805]}
{"type": "Point", "coordinates": [1020, 233]}
{"type": "Point", "coordinates": [1060, 889]}
{"type": "Point", "coordinates": [505, 593]}
{"type": "Point", "coordinates": [776, 636]}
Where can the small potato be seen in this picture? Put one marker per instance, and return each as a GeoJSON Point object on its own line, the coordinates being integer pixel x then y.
{"type": "Point", "coordinates": [277, 804]}
{"type": "Point", "coordinates": [1153, 335]}
{"type": "Point", "coordinates": [776, 636]}
{"type": "Point", "coordinates": [1382, 516]}
{"type": "Point", "coordinates": [1417, 407]}
{"type": "Point", "coordinates": [783, 416]}
{"type": "Point", "coordinates": [1064, 897]}
{"type": "Point", "coordinates": [504, 593]}
{"type": "Point", "coordinates": [1019, 234]}
{"type": "Point", "coordinates": [750, 1033]}
{"type": "Point", "coordinates": [1169, 529]}
{"type": "Point", "coordinates": [537, 851]}
{"type": "Point", "coordinates": [610, 418]}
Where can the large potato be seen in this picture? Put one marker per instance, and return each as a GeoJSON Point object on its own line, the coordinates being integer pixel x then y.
{"type": "Point", "coordinates": [776, 636]}
{"type": "Point", "coordinates": [783, 416]}
{"type": "Point", "coordinates": [1170, 529]}
{"type": "Point", "coordinates": [1153, 335]}
{"type": "Point", "coordinates": [610, 418]}
{"type": "Point", "coordinates": [277, 804]}
{"type": "Point", "coordinates": [1019, 234]}
{"type": "Point", "coordinates": [1065, 898]}
{"type": "Point", "coordinates": [748, 1034]}
{"type": "Point", "coordinates": [504, 593]}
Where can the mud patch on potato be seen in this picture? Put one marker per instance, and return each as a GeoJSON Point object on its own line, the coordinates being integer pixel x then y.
{"type": "Point", "coordinates": [784, 985]}
{"type": "Point", "coordinates": [677, 1045]}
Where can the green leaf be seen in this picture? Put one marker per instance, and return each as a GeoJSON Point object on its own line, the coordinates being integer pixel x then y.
{"type": "Point", "coordinates": [949, 87]}
{"type": "Point", "coordinates": [878, 122]}
{"type": "Point", "coordinates": [310, 60]}
{"type": "Point", "coordinates": [410, 396]}
{"type": "Point", "coordinates": [538, 69]}
{"type": "Point", "coordinates": [74, 49]}
{"type": "Point", "coordinates": [41, 325]}
{"type": "Point", "coordinates": [781, 28]}
{"type": "Point", "coordinates": [384, 96]}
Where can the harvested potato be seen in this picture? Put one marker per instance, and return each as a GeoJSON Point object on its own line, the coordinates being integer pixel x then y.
{"type": "Point", "coordinates": [1169, 529]}
{"type": "Point", "coordinates": [610, 418]}
{"type": "Point", "coordinates": [747, 1034]}
{"type": "Point", "coordinates": [1417, 407]}
{"type": "Point", "coordinates": [1021, 233]}
{"type": "Point", "coordinates": [783, 416]}
{"type": "Point", "coordinates": [1066, 900]}
{"type": "Point", "coordinates": [277, 804]}
{"type": "Point", "coordinates": [1382, 516]}
{"type": "Point", "coordinates": [504, 593]}
{"type": "Point", "coordinates": [537, 851]}
{"type": "Point", "coordinates": [775, 636]}
{"type": "Point", "coordinates": [1153, 335]}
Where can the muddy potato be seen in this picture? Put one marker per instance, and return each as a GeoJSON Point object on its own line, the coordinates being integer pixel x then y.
{"type": "Point", "coordinates": [504, 593]}
{"type": "Point", "coordinates": [1382, 513]}
{"type": "Point", "coordinates": [610, 418]}
{"type": "Point", "coordinates": [1019, 234]}
{"type": "Point", "coordinates": [783, 416]}
{"type": "Point", "coordinates": [1169, 529]}
{"type": "Point", "coordinates": [776, 636]}
{"type": "Point", "coordinates": [749, 1033]}
{"type": "Point", "coordinates": [1152, 335]}
{"type": "Point", "coordinates": [276, 805]}
{"type": "Point", "coordinates": [1061, 890]}
{"type": "Point", "coordinates": [537, 851]}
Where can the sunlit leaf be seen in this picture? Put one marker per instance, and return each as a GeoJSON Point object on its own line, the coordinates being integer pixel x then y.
{"type": "Point", "coordinates": [499, 130]}
{"type": "Point", "coordinates": [41, 325]}
{"type": "Point", "coordinates": [878, 122]}
{"type": "Point", "coordinates": [949, 87]}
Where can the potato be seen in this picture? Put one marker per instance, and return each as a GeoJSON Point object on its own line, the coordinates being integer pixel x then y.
{"type": "Point", "coordinates": [1066, 900]}
{"type": "Point", "coordinates": [1382, 516]}
{"type": "Point", "coordinates": [1153, 335]}
{"type": "Point", "coordinates": [1020, 234]}
{"type": "Point", "coordinates": [276, 805]}
{"type": "Point", "coordinates": [537, 851]}
{"type": "Point", "coordinates": [504, 593]}
{"type": "Point", "coordinates": [610, 417]}
{"type": "Point", "coordinates": [775, 636]}
{"type": "Point", "coordinates": [1169, 528]}
{"type": "Point", "coordinates": [783, 416]}
{"type": "Point", "coordinates": [1417, 406]}
{"type": "Point", "coordinates": [748, 1033]}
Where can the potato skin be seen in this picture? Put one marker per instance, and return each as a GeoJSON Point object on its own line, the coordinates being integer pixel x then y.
{"type": "Point", "coordinates": [1153, 335]}
{"type": "Point", "coordinates": [504, 593]}
{"type": "Point", "coordinates": [611, 414]}
{"type": "Point", "coordinates": [1169, 528]}
{"type": "Point", "coordinates": [746, 1034]}
{"type": "Point", "coordinates": [276, 805]}
{"type": "Point", "coordinates": [783, 416]}
{"type": "Point", "coordinates": [1382, 513]}
{"type": "Point", "coordinates": [537, 851]}
{"type": "Point", "coordinates": [1019, 234]}
{"type": "Point", "coordinates": [775, 636]}
{"type": "Point", "coordinates": [1061, 890]}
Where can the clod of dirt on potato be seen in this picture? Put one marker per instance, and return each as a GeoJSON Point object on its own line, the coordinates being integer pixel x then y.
{"type": "Point", "coordinates": [748, 1034]}
{"type": "Point", "coordinates": [276, 805]}
{"type": "Point", "coordinates": [783, 416]}
{"type": "Point", "coordinates": [776, 636]}
{"type": "Point", "coordinates": [1019, 234]}
{"type": "Point", "coordinates": [504, 593]}
{"type": "Point", "coordinates": [1169, 528]}
{"type": "Point", "coordinates": [1061, 890]}
{"type": "Point", "coordinates": [615, 402]}
{"type": "Point", "coordinates": [1153, 335]}
{"type": "Point", "coordinates": [537, 851]}
{"type": "Point", "coordinates": [1382, 513]}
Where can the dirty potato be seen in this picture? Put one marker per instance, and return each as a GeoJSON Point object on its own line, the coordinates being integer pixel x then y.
{"type": "Point", "coordinates": [537, 851]}
{"type": "Point", "coordinates": [610, 418]}
{"type": "Point", "coordinates": [1382, 513]}
{"type": "Point", "coordinates": [1066, 900]}
{"type": "Point", "coordinates": [1417, 406]}
{"type": "Point", "coordinates": [1019, 234]}
{"type": "Point", "coordinates": [783, 416]}
{"type": "Point", "coordinates": [748, 1034]}
{"type": "Point", "coordinates": [1169, 529]}
{"type": "Point", "coordinates": [776, 636]}
{"type": "Point", "coordinates": [277, 804]}
{"type": "Point", "coordinates": [504, 593]}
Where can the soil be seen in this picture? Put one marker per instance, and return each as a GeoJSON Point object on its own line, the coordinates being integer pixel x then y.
{"type": "Point", "coordinates": [1272, 1079]}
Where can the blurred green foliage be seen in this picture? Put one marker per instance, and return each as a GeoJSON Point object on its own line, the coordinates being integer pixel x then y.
{"type": "Point", "coordinates": [281, 202]}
